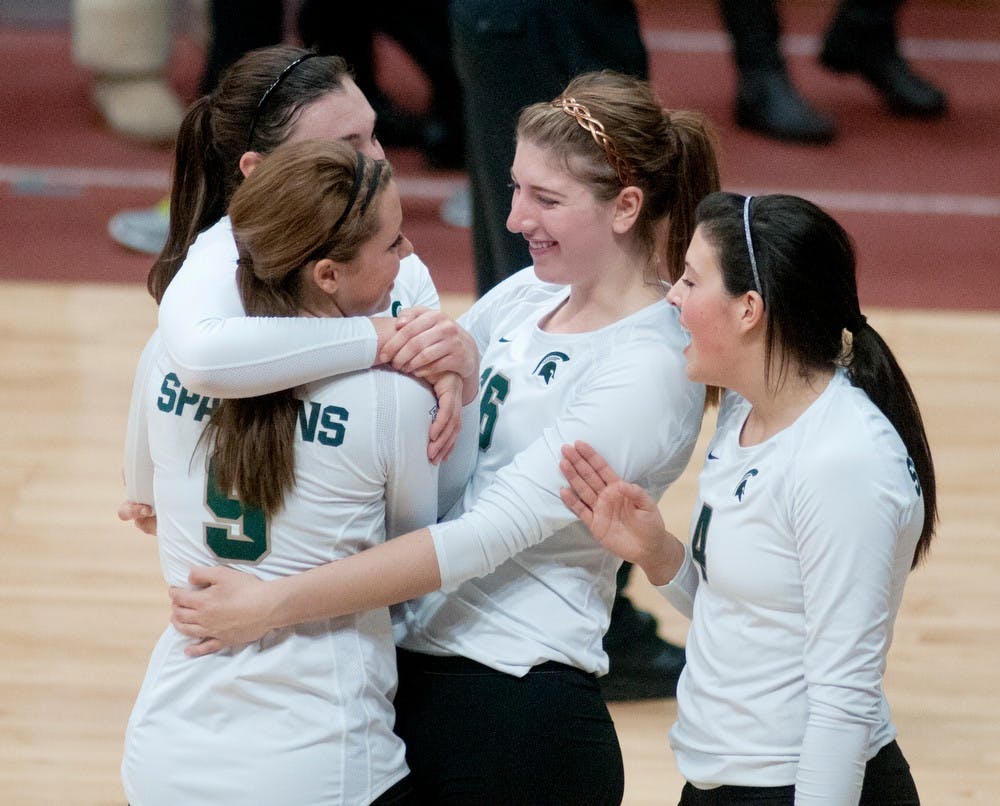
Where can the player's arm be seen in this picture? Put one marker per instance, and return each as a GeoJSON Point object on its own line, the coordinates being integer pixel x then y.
{"type": "Point", "coordinates": [848, 564]}
{"type": "Point", "coordinates": [412, 480]}
{"type": "Point", "coordinates": [137, 468]}
{"type": "Point", "coordinates": [610, 409]}
{"type": "Point", "coordinates": [520, 508]}
{"type": "Point", "coordinates": [218, 351]}
{"type": "Point", "coordinates": [224, 607]}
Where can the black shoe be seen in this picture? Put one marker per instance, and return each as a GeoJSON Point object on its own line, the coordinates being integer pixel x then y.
{"type": "Point", "coordinates": [768, 103]}
{"type": "Point", "coordinates": [643, 665]}
{"type": "Point", "coordinates": [872, 51]}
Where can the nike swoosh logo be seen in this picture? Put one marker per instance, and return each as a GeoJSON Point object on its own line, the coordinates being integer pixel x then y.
{"type": "Point", "coordinates": [503, 340]}
{"type": "Point", "coordinates": [712, 455]}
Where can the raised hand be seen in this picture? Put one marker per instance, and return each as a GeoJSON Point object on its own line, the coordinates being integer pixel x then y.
{"type": "Point", "coordinates": [622, 517]}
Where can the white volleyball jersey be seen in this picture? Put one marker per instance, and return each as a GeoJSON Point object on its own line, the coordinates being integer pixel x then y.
{"type": "Point", "coordinates": [545, 586]}
{"type": "Point", "coordinates": [799, 551]}
{"type": "Point", "coordinates": [305, 714]}
{"type": "Point", "coordinates": [218, 350]}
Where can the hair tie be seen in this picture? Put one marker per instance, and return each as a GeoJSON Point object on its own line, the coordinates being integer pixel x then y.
{"type": "Point", "coordinates": [753, 259]}
{"type": "Point", "coordinates": [582, 115]}
{"type": "Point", "coordinates": [267, 93]}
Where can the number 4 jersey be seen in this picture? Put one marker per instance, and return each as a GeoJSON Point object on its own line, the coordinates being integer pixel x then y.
{"type": "Point", "coordinates": [800, 548]}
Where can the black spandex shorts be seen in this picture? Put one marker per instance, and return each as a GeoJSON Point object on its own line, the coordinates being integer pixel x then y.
{"type": "Point", "coordinates": [888, 782]}
{"type": "Point", "coordinates": [476, 735]}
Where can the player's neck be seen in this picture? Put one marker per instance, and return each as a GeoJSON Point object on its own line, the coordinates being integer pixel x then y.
{"type": "Point", "coordinates": [614, 295]}
{"type": "Point", "coordinates": [775, 408]}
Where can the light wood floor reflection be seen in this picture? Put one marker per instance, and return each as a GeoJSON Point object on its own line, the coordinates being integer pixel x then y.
{"type": "Point", "coordinates": [82, 601]}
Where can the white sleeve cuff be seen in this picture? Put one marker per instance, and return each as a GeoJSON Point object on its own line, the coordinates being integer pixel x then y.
{"type": "Point", "coordinates": [680, 590]}
{"type": "Point", "coordinates": [458, 559]}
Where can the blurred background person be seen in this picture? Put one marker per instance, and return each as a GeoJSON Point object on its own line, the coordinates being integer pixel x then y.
{"type": "Point", "coordinates": [861, 39]}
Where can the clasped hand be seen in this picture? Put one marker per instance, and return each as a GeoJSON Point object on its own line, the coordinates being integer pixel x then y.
{"type": "Point", "coordinates": [430, 345]}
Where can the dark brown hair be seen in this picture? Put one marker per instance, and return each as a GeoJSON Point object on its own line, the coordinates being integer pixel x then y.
{"type": "Point", "coordinates": [806, 265]}
{"type": "Point", "coordinates": [213, 137]}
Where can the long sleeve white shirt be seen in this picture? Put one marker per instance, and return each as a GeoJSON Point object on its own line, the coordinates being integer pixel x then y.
{"type": "Point", "coordinates": [799, 552]}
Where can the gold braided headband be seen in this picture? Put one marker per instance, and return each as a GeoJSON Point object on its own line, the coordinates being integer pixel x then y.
{"type": "Point", "coordinates": [587, 121]}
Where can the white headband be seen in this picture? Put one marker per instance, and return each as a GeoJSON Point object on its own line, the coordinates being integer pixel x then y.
{"type": "Point", "coordinates": [753, 260]}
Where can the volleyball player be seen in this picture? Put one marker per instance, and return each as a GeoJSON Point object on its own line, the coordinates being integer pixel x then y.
{"type": "Point", "coordinates": [277, 484]}
{"type": "Point", "coordinates": [816, 499]}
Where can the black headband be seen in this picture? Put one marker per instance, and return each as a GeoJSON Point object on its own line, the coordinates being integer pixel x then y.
{"type": "Point", "coordinates": [359, 176]}
{"type": "Point", "coordinates": [267, 93]}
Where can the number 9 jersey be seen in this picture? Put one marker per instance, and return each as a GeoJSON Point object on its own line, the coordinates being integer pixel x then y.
{"type": "Point", "coordinates": [305, 714]}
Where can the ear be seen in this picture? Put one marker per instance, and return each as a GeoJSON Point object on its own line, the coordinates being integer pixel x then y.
{"type": "Point", "coordinates": [751, 311]}
{"type": "Point", "coordinates": [628, 205]}
{"type": "Point", "coordinates": [249, 161]}
{"type": "Point", "coordinates": [326, 275]}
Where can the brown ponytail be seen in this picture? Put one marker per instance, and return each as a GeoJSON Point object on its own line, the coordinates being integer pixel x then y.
{"type": "Point", "coordinates": [695, 175]}
{"type": "Point", "coordinates": [198, 194]}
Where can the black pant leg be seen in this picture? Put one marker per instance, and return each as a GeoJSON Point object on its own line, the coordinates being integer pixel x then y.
{"type": "Point", "coordinates": [755, 30]}
{"type": "Point", "coordinates": [239, 26]}
{"type": "Point", "coordinates": [888, 781]}
{"type": "Point", "coordinates": [342, 29]}
{"type": "Point", "coordinates": [422, 31]}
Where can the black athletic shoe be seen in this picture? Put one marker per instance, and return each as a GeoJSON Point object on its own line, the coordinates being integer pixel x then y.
{"type": "Point", "coordinates": [643, 665]}
{"type": "Point", "coordinates": [768, 103]}
{"type": "Point", "coordinates": [872, 51]}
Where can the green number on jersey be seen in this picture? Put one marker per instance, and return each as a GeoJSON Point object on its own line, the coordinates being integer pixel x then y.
{"type": "Point", "coordinates": [495, 391]}
{"type": "Point", "coordinates": [700, 538]}
{"type": "Point", "coordinates": [231, 542]}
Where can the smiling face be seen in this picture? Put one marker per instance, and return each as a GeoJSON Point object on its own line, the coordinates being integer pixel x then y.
{"type": "Point", "coordinates": [712, 316]}
{"type": "Point", "coordinates": [365, 282]}
{"type": "Point", "coordinates": [568, 230]}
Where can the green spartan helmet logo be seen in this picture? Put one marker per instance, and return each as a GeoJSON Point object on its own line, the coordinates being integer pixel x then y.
{"type": "Point", "coordinates": [546, 368]}
{"type": "Point", "coordinates": [742, 486]}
